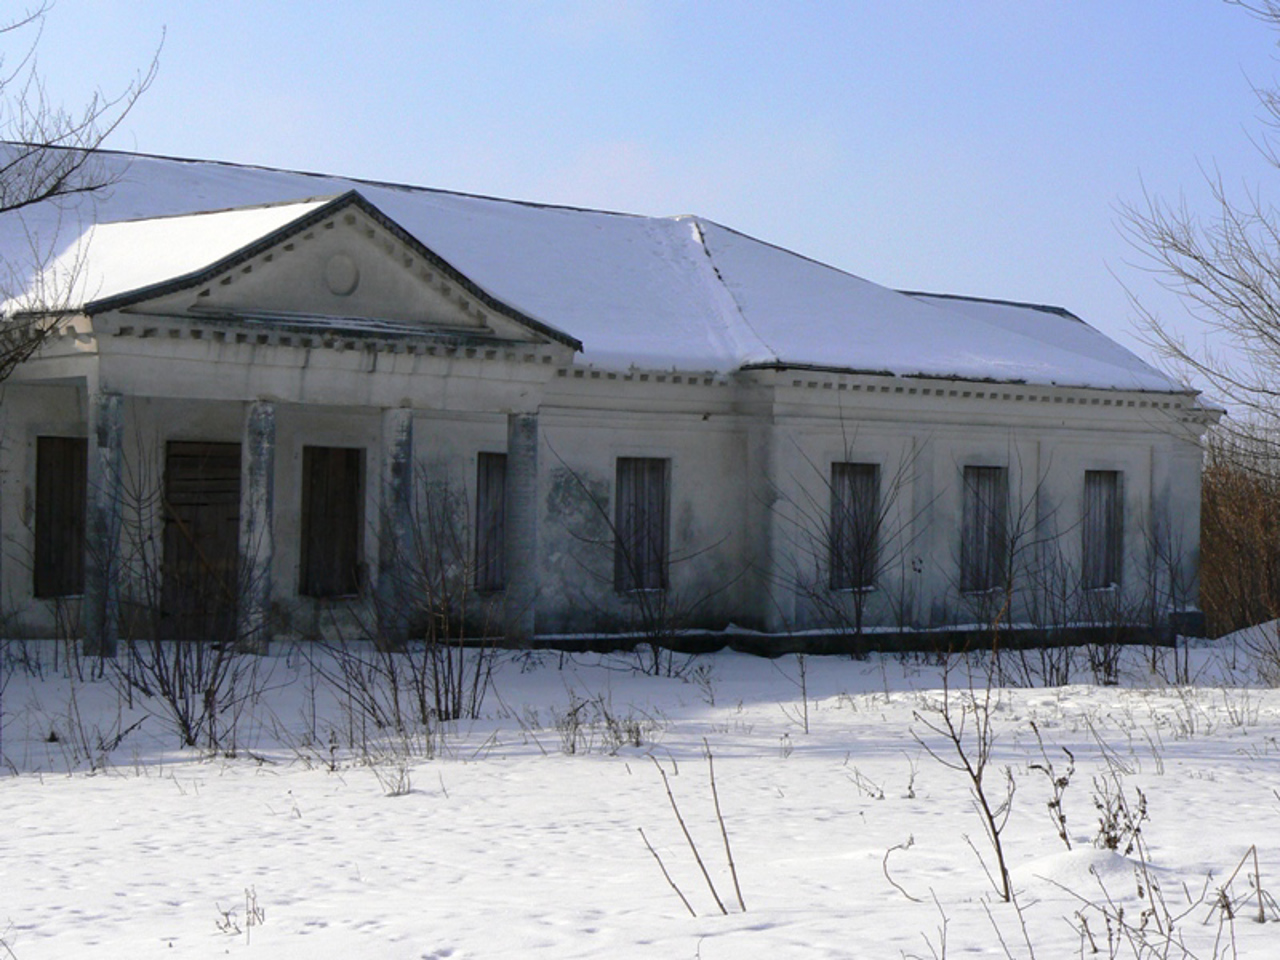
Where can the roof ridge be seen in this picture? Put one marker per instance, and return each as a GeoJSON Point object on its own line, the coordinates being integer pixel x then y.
{"type": "Point", "coordinates": [724, 291]}
{"type": "Point", "coordinates": [362, 181]}
{"type": "Point", "coordinates": [779, 247]}
{"type": "Point", "coordinates": [1042, 307]}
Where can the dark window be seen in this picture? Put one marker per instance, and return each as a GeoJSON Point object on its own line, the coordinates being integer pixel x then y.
{"type": "Point", "coordinates": [984, 535]}
{"type": "Point", "coordinates": [855, 510]}
{"type": "Point", "coordinates": [61, 488]}
{"type": "Point", "coordinates": [1103, 527]}
{"type": "Point", "coordinates": [640, 524]}
{"type": "Point", "coordinates": [331, 514]}
{"type": "Point", "coordinates": [491, 535]}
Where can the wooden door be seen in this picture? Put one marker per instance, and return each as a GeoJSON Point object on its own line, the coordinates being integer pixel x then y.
{"type": "Point", "coordinates": [201, 540]}
{"type": "Point", "coordinates": [331, 521]}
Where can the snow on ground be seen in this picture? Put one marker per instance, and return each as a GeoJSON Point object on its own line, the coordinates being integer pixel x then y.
{"type": "Point", "coordinates": [849, 839]}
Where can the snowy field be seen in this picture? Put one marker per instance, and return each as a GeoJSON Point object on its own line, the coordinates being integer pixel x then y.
{"type": "Point", "coordinates": [313, 834]}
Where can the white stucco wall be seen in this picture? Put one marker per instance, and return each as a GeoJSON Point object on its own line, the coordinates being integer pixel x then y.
{"type": "Point", "coordinates": [750, 459]}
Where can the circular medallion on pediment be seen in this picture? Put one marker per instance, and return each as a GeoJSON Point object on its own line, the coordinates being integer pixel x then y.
{"type": "Point", "coordinates": [341, 275]}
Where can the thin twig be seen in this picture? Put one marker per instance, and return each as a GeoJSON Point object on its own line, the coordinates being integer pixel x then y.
{"type": "Point", "coordinates": [1257, 879]}
{"type": "Point", "coordinates": [884, 865]}
{"type": "Point", "coordinates": [715, 796]}
{"type": "Point", "coordinates": [663, 867]}
{"type": "Point", "coordinates": [692, 846]}
{"type": "Point", "coordinates": [1257, 876]}
{"type": "Point", "coordinates": [942, 930]}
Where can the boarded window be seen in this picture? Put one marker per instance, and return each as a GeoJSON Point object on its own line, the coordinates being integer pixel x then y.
{"type": "Point", "coordinates": [640, 524]}
{"type": "Point", "coordinates": [332, 497]}
{"type": "Point", "coordinates": [61, 488]}
{"type": "Point", "coordinates": [984, 534]}
{"type": "Point", "coordinates": [201, 539]}
{"type": "Point", "coordinates": [1103, 529]}
{"type": "Point", "coordinates": [491, 534]}
{"type": "Point", "coordinates": [855, 512]}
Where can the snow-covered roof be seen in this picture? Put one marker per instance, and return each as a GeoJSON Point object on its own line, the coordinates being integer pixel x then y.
{"type": "Point", "coordinates": [117, 257]}
{"type": "Point", "coordinates": [660, 293]}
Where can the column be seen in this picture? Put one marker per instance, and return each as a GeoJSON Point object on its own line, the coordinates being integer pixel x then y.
{"type": "Point", "coordinates": [769, 511]}
{"type": "Point", "coordinates": [102, 567]}
{"type": "Point", "coordinates": [257, 541]}
{"type": "Point", "coordinates": [521, 527]}
{"type": "Point", "coordinates": [395, 527]}
{"type": "Point", "coordinates": [926, 586]}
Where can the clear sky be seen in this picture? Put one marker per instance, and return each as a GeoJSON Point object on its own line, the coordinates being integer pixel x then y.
{"type": "Point", "coordinates": [979, 148]}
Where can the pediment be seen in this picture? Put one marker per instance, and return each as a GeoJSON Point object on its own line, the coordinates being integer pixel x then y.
{"type": "Point", "coordinates": [342, 265]}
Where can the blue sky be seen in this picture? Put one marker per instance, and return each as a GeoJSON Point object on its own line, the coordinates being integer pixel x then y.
{"type": "Point", "coordinates": [980, 148]}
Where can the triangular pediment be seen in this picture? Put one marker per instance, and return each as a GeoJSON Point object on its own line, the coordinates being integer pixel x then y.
{"type": "Point", "coordinates": [341, 264]}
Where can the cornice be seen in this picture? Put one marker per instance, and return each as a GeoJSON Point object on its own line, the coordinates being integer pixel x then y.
{"type": "Point", "coordinates": [887, 391]}
{"type": "Point", "coordinates": [453, 345]}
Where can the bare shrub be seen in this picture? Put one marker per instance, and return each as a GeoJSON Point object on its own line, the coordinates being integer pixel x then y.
{"type": "Point", "coordinates": [372, 685]}
{"type": "Point", "coordinates": [693, 846]}
{"type": "Point", "coordinates": [1231, 902]}
{"type": "Point", "coordinates": [798, 715]}
{"type": "Point", "coordinates": [82, 739]}
{"type": "Point", "coordinates": [180, 649]}
{"type": "Point", "coordinates": [590, 721]}
{"type": "Point", "coordinates": [965, 724]}
{"type": "Point", "coordinates": [254, 916]}
{"type": "Point", "coordinates": [1059, 781]}
{"type": "Point", "coordinates": [201, 688]}
{"type": "Point", "coordinates": [573, 726]}
{"type": "Point", "coordinates": [420, 654]}
{"type": "Point", "coordinates": [1151, 926]}
{"type": "Point", "coordinates": [1120, 818]}
{"type": "Point", "coordinates": [395, 778]}
{"type": "Point", "coordinates": [1262, 646]}
{"type": "Point", "coordinates": [451, 664]}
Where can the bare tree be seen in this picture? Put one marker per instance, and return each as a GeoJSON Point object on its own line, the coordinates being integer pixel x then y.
{"type": "Point", "coordinates": [49, 155]}
{"type": "Point", "coordinates": [1226, 267]}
